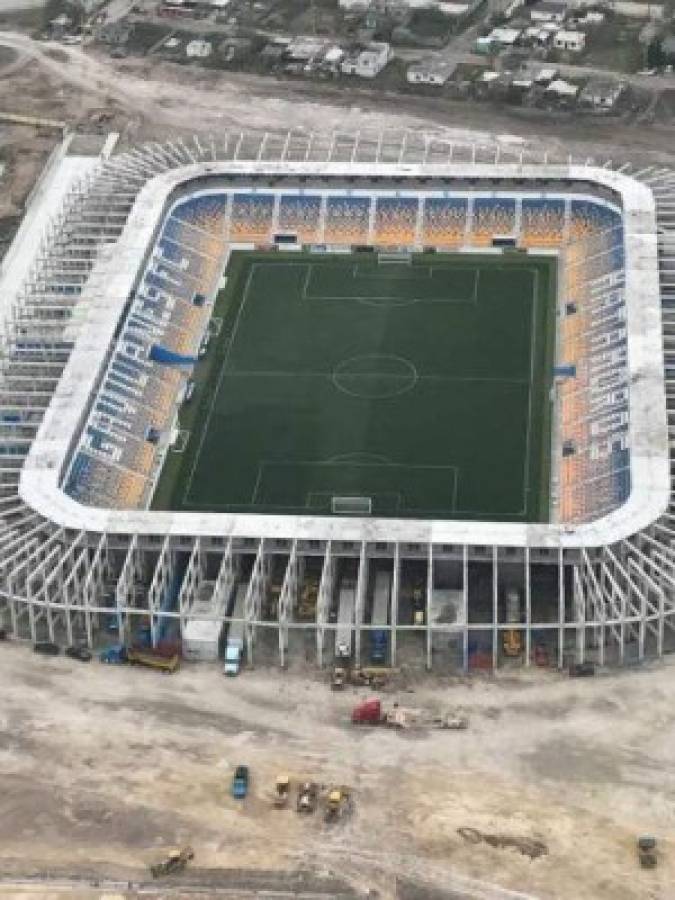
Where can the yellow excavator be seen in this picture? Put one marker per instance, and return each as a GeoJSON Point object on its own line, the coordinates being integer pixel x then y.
{"type": "Point", "coordinates": [282, 790]}
{"type": "Point", "coordinates": [174, 862]}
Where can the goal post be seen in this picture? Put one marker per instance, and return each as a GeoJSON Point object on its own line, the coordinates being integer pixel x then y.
{"type": "Point", "coordinates": [352, 506]}
{"type": "Point", "coordinates": [394, 257]}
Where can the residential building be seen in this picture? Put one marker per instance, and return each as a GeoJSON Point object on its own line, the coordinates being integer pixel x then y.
{"type": "Point", "coordinates": [198, 49]}
{"type": "Point", "coordinates": [575, 41]}
{"type": "Point", "coordinates": [548, 11]}
{"type": "Point", "coordinates": [368, 61]}
{"type": "Point", "coordinates": [602, 93]}
{"type": "Point", "coordinates": [430, 71]}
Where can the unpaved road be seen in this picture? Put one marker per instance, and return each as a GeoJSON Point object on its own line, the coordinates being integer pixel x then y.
{"type": "Point", "coordinates": [153, 99]}
{"type": "Point", "coordinates": [103, 767]}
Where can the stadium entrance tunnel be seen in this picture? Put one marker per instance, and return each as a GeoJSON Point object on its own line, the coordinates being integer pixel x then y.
{"type": "Point", "coordinates": [375, 376]}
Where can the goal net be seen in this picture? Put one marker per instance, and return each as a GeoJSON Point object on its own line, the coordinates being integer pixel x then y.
{"type": "Point", "coordinates": [394, 257]}
{"type": "Point", "coordinates": [355, 506]}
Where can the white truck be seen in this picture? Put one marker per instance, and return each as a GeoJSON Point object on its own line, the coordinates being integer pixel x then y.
{"type": "Point", "coordinates": [202, 637]}
{"type": "Point", "coordinates": [234, 648]}
{"type": "Point", "coordinates": [345, 622]}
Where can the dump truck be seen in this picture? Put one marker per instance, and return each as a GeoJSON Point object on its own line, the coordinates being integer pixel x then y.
{"type": "Point", "coordinates": [379, 637]}
{"type": "Point", "coordinates": [234, 648]}
{"type": "Point", "coordinates": [153, 660]}
{"type": "Point", "coordinates": [174, 862]}
{"type": "Point", "coordinates": [371, 712]}
{"type": "Point", "coordinates": [345, 622]}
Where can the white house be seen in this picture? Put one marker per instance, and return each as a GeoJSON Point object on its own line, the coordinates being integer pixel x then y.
{"type": "Point", "coordinates": [504, 37]}
{"type": "Point", "coordinates": [562, 89]}
{"type": "Point", "coordinates": [548, 11]}
{"type": "Point", "coordinates": [198, 49]}
{"type": "Point", "coordinates": [602, 93]}
{"type": "Point", "coordinates": [430, 71]}
{"type": "Point", "coordinates": [569, 40]}
{"type": "Point", "coordinates": [368, 61]}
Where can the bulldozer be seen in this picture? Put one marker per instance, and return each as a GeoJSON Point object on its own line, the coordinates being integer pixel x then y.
{"type": "Point", "coordinates": [282, 791]}
{"type": "Point", "coordinates": [336, 804]}
{"type": "Point", "coordinates": [174, 862]}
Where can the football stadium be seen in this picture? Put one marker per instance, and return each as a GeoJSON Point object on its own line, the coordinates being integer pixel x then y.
{"type": "Point", "coordinates": [376, 399]}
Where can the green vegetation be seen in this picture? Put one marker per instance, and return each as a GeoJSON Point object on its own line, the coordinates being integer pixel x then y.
{"type": "Point", "coordinates": [422, 386]}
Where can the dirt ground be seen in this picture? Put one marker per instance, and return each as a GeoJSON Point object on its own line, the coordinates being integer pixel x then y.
{"type": "Point", "coordinates": [104, 767]}
{"type": "Point", "coordinates": [155, 100]}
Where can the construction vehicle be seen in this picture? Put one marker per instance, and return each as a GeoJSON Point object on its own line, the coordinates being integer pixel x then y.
{"type": "Point", "coordinates": [373, 676]}
{"type": "Point", "coordinates": [116, 655]}
{"type": "Point", "coordinates": [79, 652]}
{"type": "Point", "coordinates": [418, 606]}
{"type": "Point", "coordinates": [582, 670]}
{"type": "Point", "coordinates": [541, 656]}
{"type": "Point", "coordinates": [306, 608]}
{"type": "Point", "coordinates": [367, 713]}
{"type": "Point", "coordinates": [345, 622]}
{"type": "Point", "coordinates": [337, 803]}
{"type": "Point", "coordinates": [46, 648]}
{"type": "Point", "coordinates": [512, 643]}
{"type": "Point", "coordinates": [153, 660]}
{"type": "Point", "coordinates": [379, 637]}
{"type": "Point", "coordinates": [174, 862]}
{"type": "Point", "coordinates": [282, 790]}
{"type": "Point", "coordinates": [646, 847]}
{"type": "Point", "coordinates": [339, 678]}
{"type": "Point", "coordinates": [234, 648]}
{"type": "Point", "coordinates": [451, 722]}
{"type": "Point", "coordinates": [307, 797]}
{"type": "Point", "coordinates": [371, 712]}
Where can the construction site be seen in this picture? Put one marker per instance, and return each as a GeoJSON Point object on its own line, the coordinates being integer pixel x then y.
{"type": "Point", "coordinates": [538, 787]}
{"type": "Point", "coordinates": [262, 715]}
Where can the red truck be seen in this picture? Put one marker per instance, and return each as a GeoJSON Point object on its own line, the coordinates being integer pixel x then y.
{"type": "Point", "coordinates": [367, 713]}
{"type": "Point", "coordinates": [371, 712]}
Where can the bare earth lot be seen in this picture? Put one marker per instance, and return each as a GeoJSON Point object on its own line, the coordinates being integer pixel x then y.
{"type": "Point", "coordinates": [103, 767]}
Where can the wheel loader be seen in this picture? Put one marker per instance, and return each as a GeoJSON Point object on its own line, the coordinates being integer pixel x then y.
{"type": "Point", "coordinates": [174, 862]}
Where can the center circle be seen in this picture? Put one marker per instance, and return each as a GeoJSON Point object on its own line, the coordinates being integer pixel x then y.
{"type": "Point", "coordinates": [375, 376]}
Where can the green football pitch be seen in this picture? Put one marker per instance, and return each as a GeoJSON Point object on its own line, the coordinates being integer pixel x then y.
{"type": "Point", "coordinates": [421, 388]}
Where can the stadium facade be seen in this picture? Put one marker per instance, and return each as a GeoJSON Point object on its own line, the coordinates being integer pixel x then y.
{"type": "Point", "coordinates": [89, 406]}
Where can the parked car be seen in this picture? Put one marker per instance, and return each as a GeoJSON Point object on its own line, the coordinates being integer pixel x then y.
{"type": "Point", "coordinates": [114, 656]}
{"type": "Point", "coordinates": [83, 654]}
{"type": "Point", "coordinates": [582, 670]}
{"type": "Point", "coordinates": [47, 648]}
{"type": "Point", "coordinates": [240, 781]}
